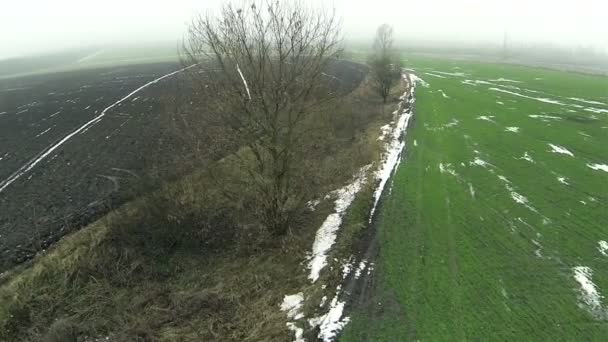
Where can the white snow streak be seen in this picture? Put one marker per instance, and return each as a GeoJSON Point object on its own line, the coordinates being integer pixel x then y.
{"type": "Point", "coordinates": [527, 157]}
{"type": "Point", "coordinates": [486, 118]}
{"type": "Point", "coordinates": [332, 322]}
{"type": "Point", "coordinates": [587, 101]}
{"type": "Point", "coordinates": [32, 163]}
{"type": "Point", "coordinates": [603, 247]}
{"type": "Point", "coordinates": [588, 292]}
{"type": "Point", "coordinates": [472, 191]}
{"type": "Point", "coordinates": [597, 167]}
{"type": "Point", "coordinates": [560, 149]}
{"type": "Point", "coordinates": [326, 235]}
{"type": "Point", "coordinates": [512, 129]}
{"type": "Point", "coordinates": [563, 180]}
{"type": "Point", "coordinates": [541, 99]}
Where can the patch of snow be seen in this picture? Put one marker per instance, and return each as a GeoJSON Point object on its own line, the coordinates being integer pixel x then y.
{"type": "Point", "coordinates": [563, 180]}
{"type": "Point", "coordinates": [447, 168]}
{"type": "Point", "coordinates": [292, 305]}
{"type": "Point", "coordinates": [596, 110]}
{"type": "Point", "coordinates": [560, 149]}
{"type": "Point", "coordinates": [458, 74]}
{"type": "Point", "coordinates": [312, 205]}
{"type": "Point", "coordinates": [415, 143]}
{"type": "Point", "coordinates": [323, 301]}
{"type": "Point", "coordinates": [486, 118]}
{"type": "Point", "coordinates": [452, 123]}
{"type": "Point", "coordinates": [500, 102]}
{"type": "Point", "coordinates": [472, 191]}
{"type": "Point", "coordinates": [541, 99]}
{"type": "Point", "coordinates": [480, 162]}
{"type": "Point", "coordinates": [326, 235]}
{"type": "Point", "coordinates": [443, 94]}
{"type": "Point", "coordinates": [505, 80]}
{"type": "Point", "coordinates": [603, 247]}
{"type": "Point", "coordinates": [415, 79]}
{"type": "Point", "coordinates": [297, 332]}
{"type": "Point", "coordinates": [512, 129]}
{"type": "Point", "coordinates": [527, 157]}
{"type": "Point", "coordinates": [597, 167]}
{"type": "Point", "coordinates": [434, 75]}
{"type": "Point", "coordinates": [587, 101]}
{"type": "Point", "coordinates": [361, 268]}
{"type": "Point", "coordinates": [384, 130]}
{"type": "Point", "coordinates": [332, 322]}
{"type": "Point", "coordinates": [544, 117]}
{"type": "Point", "coordinates": [588, 292]}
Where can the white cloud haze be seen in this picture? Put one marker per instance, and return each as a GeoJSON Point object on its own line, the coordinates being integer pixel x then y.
{"type": "Point", "coordinates": [35, 26]}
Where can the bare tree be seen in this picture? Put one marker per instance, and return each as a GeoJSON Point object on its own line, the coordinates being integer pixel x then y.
{"type": "Point", "coordinates": [384, 64]}
{"type": "Point", "coordinates": [265, 65]}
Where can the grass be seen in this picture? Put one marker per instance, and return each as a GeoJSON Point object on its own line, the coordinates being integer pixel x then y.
{"type": "Point", "coordinates": [458, 266]}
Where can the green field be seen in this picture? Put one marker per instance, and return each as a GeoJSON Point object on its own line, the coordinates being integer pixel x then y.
{"type": "Point", "coordinates": [486, 225]}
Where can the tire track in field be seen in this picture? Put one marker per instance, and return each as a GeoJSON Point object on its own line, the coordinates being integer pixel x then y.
{"type": "Point", "coordinates": [45, 153]}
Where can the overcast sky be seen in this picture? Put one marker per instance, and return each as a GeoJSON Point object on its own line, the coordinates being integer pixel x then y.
{"type": "Point", "coordinates": [35, 26]}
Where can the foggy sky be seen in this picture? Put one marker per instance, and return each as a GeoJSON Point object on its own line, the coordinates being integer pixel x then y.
{"type": "Point", "coordinates": [36, 26]}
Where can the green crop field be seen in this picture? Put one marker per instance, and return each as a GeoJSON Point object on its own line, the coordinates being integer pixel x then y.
{"type": "Point", "coordinates": [496, 223]}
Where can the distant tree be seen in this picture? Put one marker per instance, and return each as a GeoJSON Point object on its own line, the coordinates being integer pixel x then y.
{"type": "Point", "coordinates": [384, 63]}
{"type": "Point", "coordinates": [262, 64]}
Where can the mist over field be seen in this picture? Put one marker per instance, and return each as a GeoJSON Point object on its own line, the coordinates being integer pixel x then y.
{"type": "Point", "coordinates": [38, 27]}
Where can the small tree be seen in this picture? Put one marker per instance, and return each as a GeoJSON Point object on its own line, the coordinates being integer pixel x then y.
{"type": "Point", "coordinates": [384, 64]}
{"type": "Point", "coordinates": [262, 64]}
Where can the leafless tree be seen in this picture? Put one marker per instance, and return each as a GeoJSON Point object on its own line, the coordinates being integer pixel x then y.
{"type": "Point", "coordinates": [264, 65]}
{"type": "Point", "coordinates": [384, 63]}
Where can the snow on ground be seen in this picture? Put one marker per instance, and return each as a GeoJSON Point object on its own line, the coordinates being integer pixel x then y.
{"type": "Point", "coordinates": [292, 305]}
{"type": "Point", "coordinates": [603, 247]}
{"type": "Point", "coordinates": [512, 129]}
{"type": "Point", "coordinates": [49, 150]}
{"type": "Point", "coordinates": [560, 149]}
{"type": "Point", "coordinates": [486, 118]}
{"type": "Point", "coordinates": [332, 322]}
{"type": "Point", "coordinates": [384, 130]}
{"type": "Point", "coordinates": [527, 157]}
{"type": "Point", "coordinates": [434, 75]}
{"type": "Point", "coordinates": [500, 102]}
{"type": "Point", "coordinates": [505, 80]}
{"type": "Point", "coordinates": [443, 94]}
{"type": "Point", "coordinates": [563, 180]}
{"type": "Point", "coordinates": [458, 74]}
{"type": "Point", "coordinates": [587, 101]}
{"type": "Point", "coordinates": [480, 162]}
{"type": "Point", "coordinates": [447, 168]}
{"type": "Point", "coordinates": [472, 191]}
{"type": "Point", "coordinates": [541, 99]}
{"type": "Point", "coordinates": [596, 110]}
{"type": "Point", "coordinates": [597, 167]}
{"type": "Point", "coordinates": [588, 292]}
{"type": "Point", "coordinates": [326, 235]}
{"type": "Point", "coordinates": [544, 117]}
